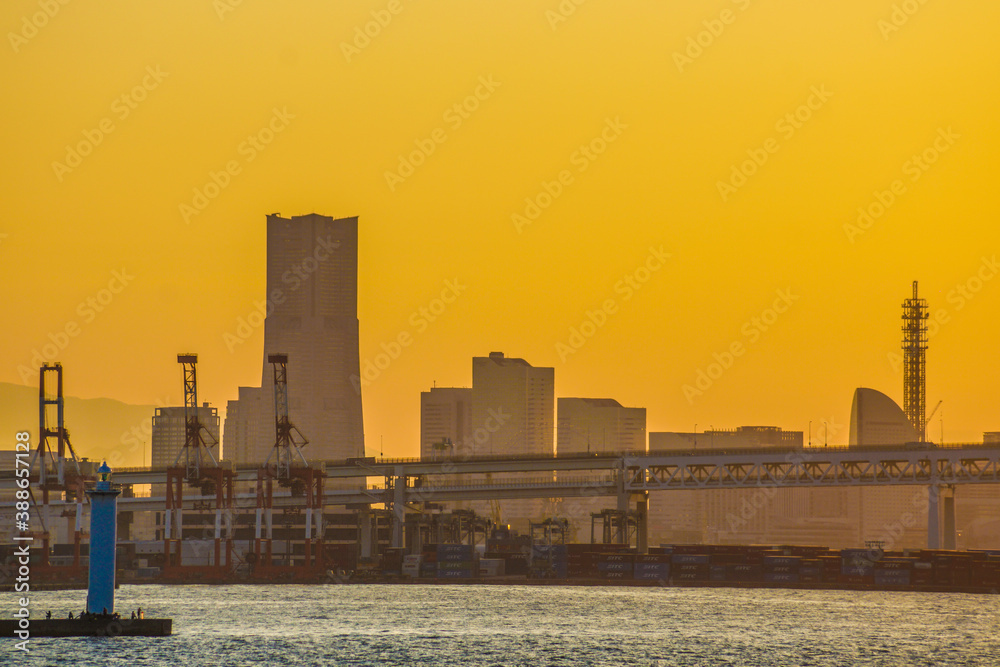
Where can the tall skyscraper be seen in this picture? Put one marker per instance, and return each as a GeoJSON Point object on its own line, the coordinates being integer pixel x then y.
{"type": "Point", "coordinates": [312, 316]}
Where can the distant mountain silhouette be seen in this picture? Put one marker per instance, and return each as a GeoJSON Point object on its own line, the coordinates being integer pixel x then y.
{"type": "Point", "coordinates": [99, 428]}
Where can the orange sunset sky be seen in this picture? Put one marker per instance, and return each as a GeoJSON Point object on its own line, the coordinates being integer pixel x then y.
{"type": "Point", "coordinates": [810, 158]}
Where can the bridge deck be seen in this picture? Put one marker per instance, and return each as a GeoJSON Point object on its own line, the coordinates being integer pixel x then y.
{"type": "Point", "coordinates": [614, 474]}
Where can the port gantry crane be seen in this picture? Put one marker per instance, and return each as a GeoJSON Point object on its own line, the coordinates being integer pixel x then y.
{"type": "Point", "coordinates": [57, 472]}
{"type": "Point", "coordinates": [286, 465]}
{"type": "Point", "coordinates": [198, 467]}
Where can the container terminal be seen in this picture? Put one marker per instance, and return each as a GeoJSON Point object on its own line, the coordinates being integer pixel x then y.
{"type": "Point", "coordinates": [509, 558]}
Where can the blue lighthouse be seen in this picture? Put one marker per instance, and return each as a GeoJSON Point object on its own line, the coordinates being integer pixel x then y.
{"type": "Point", "coordinates": [103, 540]}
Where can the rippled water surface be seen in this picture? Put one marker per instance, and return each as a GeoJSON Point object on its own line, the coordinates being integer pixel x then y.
{"type": "Point", "coordinates": [529, 625]}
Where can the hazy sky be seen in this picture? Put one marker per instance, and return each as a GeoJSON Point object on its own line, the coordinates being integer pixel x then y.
{"type": "Point", "coordinates": [684, 167]}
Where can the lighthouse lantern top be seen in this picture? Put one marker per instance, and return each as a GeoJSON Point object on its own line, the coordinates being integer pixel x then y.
{"type": "Point", "coordinates": [104, 477]}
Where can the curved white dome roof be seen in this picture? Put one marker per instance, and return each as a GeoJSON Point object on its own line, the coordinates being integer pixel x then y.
{"type": "Point", "coordinates": [876, 419]}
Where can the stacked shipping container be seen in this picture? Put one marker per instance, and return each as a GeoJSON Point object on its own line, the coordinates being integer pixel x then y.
{"type": "Point", "coordinates": [457, 561]}
{"type": "Point", "coordinates": [686, 564]}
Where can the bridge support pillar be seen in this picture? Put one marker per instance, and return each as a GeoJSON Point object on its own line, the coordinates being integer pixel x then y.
{"type": "Point", "coordinates": [365, 533]}
{"type": "Point", "coordinates": [623, 504]}
{"type": "Point", "coordinates": [933, 517]}
{"type": "Point", "coordinates": [642, 529]}
{"type": "Point", "coordinates": [948, 505]}
{"type": "Point", "coordinates": [398, 508]}
{"type": "Point", "coordinates": [621, 530]}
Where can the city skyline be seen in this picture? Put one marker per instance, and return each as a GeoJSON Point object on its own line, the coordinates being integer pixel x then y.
{"type": "Point", "coordinates": [571, 317]}
{"type": "Point", "coordinates": [824, 429]}
{"type": "Point", "coordinates": [534, 196]}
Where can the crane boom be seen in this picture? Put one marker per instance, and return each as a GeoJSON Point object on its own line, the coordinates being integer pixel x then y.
{"type": "Point", "coordinates": [928, 420]}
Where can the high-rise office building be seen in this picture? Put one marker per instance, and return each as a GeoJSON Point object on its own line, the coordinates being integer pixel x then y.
{"type": "Point", "coordinates": [445, 421]}
{"type": "Point", "coordinates": [446, 432]}
{"type": "Point", "coordinates": [513, 406]}
{"type": "Point", "coordinates": [741, 437]}
{"type": "Point", "coordinates": [244, 438]}
{"type": "Point", "coordinates": [595, 425]}
{"type": "Point", "coordinates": [599, 425]}
{"type": "Point", "coordinates": [170, 433]}
{"type": "Point", "coordinates": [728, 516]}
{"type": "Point", "coordinates": [513, 413]}
{"type": "Point", "coordinates": [977, 510]}
{"type": "Point", "coordinates": [312, 316]}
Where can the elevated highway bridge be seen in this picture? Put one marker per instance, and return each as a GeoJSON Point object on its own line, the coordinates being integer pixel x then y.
{"type": "Point", "coordinates": [628, 476]}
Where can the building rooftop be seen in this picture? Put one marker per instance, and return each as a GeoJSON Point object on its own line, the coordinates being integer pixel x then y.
{"type": "Point", "coordinates": [499, 359]}
{"type": "Point", "coordinates": [596, 402]}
